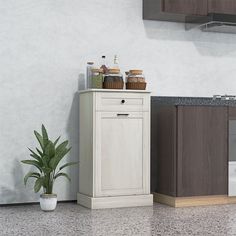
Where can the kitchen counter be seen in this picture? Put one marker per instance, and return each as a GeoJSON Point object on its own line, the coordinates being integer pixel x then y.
{"type": "Point", "coordinates": [192, 101]}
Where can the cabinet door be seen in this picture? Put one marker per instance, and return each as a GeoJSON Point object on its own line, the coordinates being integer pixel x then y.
{"type": "Point", "coordinates": [122, 159]}
{"type": "Point", "coordinates": [193, 7]}
{"type": "Point", "coordinates": [222, 6]}
{"type": "Point", "coordinates": [202, 157]}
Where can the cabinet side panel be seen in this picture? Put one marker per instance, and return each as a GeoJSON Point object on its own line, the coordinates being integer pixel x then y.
{"type": "Point", "coordinates": [232, 113]}
{"type": "Point", "coordinates": [163, 149]}
{"type": "Point", "coordinates": [86, 144]}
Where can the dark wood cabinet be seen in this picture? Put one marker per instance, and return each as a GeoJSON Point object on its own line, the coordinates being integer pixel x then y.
{"type": "Point", "coordinates": [189, 150]}
{"type": "Point", "coordinates": [202, 151]}
{"type": "Point", "coordinates": [222, 6]}
{"type": "Point", "coordinates": [176, 10]}
{"type": "Point", "coordinates": [187, 7]}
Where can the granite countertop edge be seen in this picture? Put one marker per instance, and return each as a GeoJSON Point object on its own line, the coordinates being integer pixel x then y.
{"type": "Point", "coordinates": [191, 101]}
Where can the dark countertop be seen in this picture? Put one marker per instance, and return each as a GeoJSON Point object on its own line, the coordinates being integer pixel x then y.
{"type": "Point", "coordinates": [192, 101]}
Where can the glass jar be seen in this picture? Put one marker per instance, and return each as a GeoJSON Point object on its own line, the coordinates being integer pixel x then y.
{"type": "Point", "coordinates": [113, 80]}
{"type": "Point", "coordinates": [97, 78]}
{"type": "Point", "coordinates": [136, 76]}
{"type": "Point", "coordinates": [89, 74]}
{"type": "Point", "coordinates": [113, 75]}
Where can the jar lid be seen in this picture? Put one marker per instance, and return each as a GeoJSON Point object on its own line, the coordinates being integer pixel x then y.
{"type": "Point", "coordinates": [90, 63]}
{"type": "Point", "coordinates": [114, 71]}
{"type": "Point", "coordinates": [97, 70]}
{"type": "Point", "coordinates": [136, 72]}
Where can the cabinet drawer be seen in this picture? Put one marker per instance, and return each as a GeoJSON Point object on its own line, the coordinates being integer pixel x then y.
{"type": "Point", "coordinates": [122, 102]}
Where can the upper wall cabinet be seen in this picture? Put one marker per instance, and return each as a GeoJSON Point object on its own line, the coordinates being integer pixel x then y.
{"type": "Point", "coordinates": [176, 10]}
{"type": "Point", "coordinates": [222, 6]}
{"type": "Point", "coordinates": [192, 7]}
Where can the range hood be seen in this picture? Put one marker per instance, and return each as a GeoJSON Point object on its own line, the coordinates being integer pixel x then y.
{"type": "Point", "coordinates": [213, 22]}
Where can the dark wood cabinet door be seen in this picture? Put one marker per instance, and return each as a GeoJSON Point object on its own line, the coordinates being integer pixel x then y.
{"type": "Point", "coordinates": [202, 151]}
{"type": "Point", "coordinates": [222, 6]}
{"type": "Point", "coordinates": [193, 7]}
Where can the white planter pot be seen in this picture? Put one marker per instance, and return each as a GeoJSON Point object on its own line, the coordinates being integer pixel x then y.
{"type": "Point", "coordinates": [48, 202]}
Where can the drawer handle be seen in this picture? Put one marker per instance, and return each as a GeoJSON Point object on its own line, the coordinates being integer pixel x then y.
{"type": "Point", "coordinates": [123, 101]}
{"type": "Point", "coordinates": [122, 114]}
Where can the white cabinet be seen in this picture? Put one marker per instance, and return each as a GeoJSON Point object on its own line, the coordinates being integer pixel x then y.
{"type": "Point", "coordinates": [114, 168]}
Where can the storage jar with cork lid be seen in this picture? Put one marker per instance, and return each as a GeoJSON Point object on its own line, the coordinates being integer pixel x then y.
{"type": "Point", "coordinates": [113, 80]}
{"type": "Point", "coordinates": [136, 80]}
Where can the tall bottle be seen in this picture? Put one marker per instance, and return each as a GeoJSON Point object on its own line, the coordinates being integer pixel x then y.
{"type": "Point", "coordinates": [104, 66]}
{"type": "Point", "coordinates": [90, 66]}
{"type": "Point", "coordinates": [116, 63]}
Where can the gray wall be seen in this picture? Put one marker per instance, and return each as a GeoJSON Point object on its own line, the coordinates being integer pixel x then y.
{"type": "Point", "coordinates": [44, 46]}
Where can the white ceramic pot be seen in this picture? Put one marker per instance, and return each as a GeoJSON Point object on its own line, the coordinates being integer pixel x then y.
{"type": "Point", "coordinates": [48, 202]}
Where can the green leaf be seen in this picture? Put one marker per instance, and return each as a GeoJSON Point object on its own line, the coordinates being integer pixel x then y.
{"type": "Point", "coordinates": [45, 135]}
{"type": "Point", "coordinates": [50, 150]}
{"type": "Point", "coordinates": [33, 163]}
{"type": "Point", "coordinates": [47, 170]}
{"type": "Point", "coordinates": [40, 153]}
{"type": "Point", "coordinates": [62, 146]}
{"type": "Point", "coordinates": [67, 164]}
{"type": "Point", "coordinates": [62, 174]}
{"type": "Point", "coordinates": [58, 157]}
{"type": "Point", "coordinates": [38, 184]}
{"type": "Point", "coordinates": [39, 138]}
{"type": "Point", "coordinates": [56, 141]}
{"type": "Point", "coordinates": [45, 161]}
{"type": "Point", "coordinates": [31, 175]}
{"type": "Point", "coordinates": [34, 155]}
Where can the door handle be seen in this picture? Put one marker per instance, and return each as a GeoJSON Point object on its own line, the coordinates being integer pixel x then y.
{"type": "Point", "coordinates": [119, 114]}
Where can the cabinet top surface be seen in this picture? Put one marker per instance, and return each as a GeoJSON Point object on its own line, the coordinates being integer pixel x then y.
{"type": "Point", "coordinates": [192, 101]}
{"type": "Point", "coordinates": [114, 91]}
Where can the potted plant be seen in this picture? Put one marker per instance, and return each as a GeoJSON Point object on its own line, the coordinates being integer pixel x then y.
{"type": "Point", "coordinates": [46, 159]}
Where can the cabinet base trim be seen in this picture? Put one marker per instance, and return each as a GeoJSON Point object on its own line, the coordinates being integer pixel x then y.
{"type": "Point", "coordinates": [114, 202]}
{"type": "Point", "coordinates": [193, 201]}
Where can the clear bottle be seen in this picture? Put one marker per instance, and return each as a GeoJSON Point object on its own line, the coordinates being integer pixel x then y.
{"type": "Point", "coordinates": [116, 63]}
{"type": "Point", "coordinates": [103, 64]}
{"type": "Point", "coordinates": [89, 74]}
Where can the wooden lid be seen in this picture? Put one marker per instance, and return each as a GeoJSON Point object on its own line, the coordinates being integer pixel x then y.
{"type": "Point", "coordinates": [114, 71]}
{"type": "Point", "coordinates": [97, 70]}
{"type": "Point", "coordinates": [136, 72]}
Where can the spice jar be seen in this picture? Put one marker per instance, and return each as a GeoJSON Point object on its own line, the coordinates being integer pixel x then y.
{"type": "Point", "coordinates": [136, 76]}
{"type": "Point", "coordinates": [97, 78]}
{"type": "Point", "coordinates": [114, 79]}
